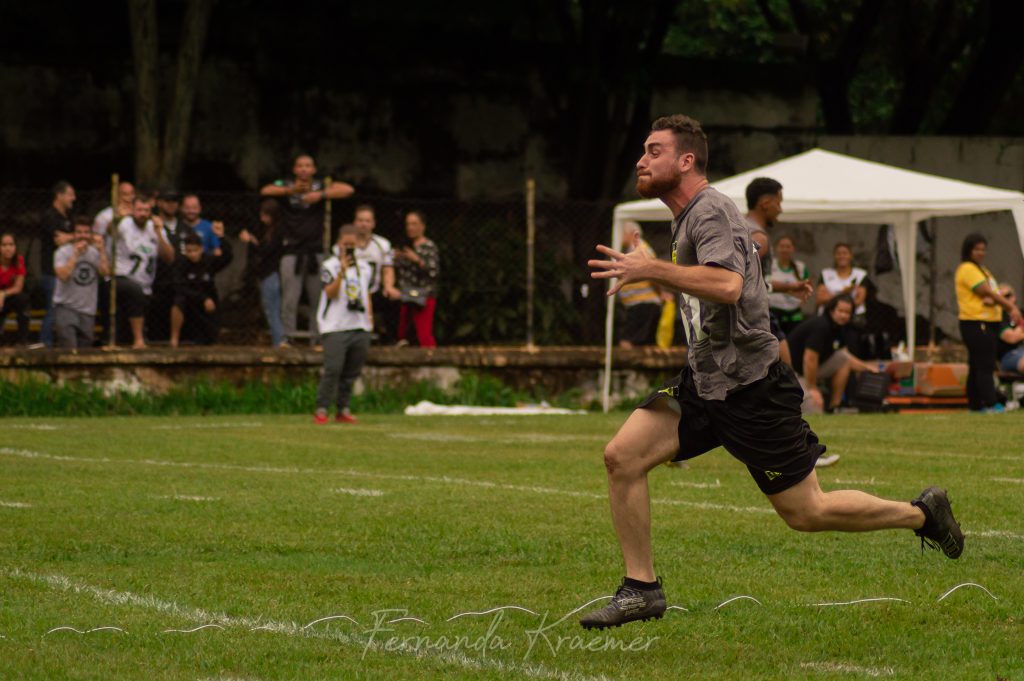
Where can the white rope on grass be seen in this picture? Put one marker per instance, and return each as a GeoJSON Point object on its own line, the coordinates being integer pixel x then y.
{"type": "Point", "coordinates": [88, 631]}
{"type": "Point", "coordinates": [325, 619]}
{"type": "Point", "coordinates": [859, 600]}
{"type": "Point", "coordinates": [488, 612]}
{"type": "Point", "coordinates": [193, 630]}
{"type": "Point", "coordinates": [676, 607]}
{"type": "Point", "coordinates": [737, 598]}
{"type": "Point", "coordinates": [959, 586]}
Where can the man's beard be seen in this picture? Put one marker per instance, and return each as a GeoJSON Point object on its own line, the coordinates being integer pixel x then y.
{"type": "Point", "coordinates": [651, 188]}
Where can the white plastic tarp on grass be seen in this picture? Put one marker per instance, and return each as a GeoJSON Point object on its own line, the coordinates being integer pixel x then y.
{"type": "Point", "coordinates": [823, 186]}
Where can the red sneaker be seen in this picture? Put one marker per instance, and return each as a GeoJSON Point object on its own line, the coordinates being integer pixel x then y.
{"type": "Point", "coordinates": [345, 418]}
{"type": "Point", "coordinates": [320, 418]}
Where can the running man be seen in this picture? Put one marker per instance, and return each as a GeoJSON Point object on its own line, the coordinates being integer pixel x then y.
{"type": "Point", "coordinates": [734, 391]}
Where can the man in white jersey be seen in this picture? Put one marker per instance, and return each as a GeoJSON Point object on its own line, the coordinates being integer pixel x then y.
{"type": "Point", "coordinates": [345, 318]}
{"type": "Point", "coordinates": [138, 242]}
{"type": "Point", "coordinates": [375, 250]}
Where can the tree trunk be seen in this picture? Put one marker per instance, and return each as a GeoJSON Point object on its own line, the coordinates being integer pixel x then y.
{"type": "Point", "coordinates": [142, 18]}
{"type": "Point", "coordinates": [176, 134]}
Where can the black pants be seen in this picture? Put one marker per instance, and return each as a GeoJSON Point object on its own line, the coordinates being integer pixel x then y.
{"type": "Point", "coordinates": [18, 304]}
{"type": "Point", "coordinates": [980, 339]}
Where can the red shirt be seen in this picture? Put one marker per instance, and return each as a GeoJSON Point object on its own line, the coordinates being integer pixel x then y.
{"type": "Point", "coordinates": [9, 274]}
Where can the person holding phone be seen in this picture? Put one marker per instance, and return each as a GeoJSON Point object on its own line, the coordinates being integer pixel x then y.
{"type": "Point", "coordinates": [345, 316]}
{"type": "Point", "coordinates": [842, 279]}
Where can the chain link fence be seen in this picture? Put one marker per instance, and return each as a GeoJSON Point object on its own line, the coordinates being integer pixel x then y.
{"type": "Point", "coordinates": [482, 289]}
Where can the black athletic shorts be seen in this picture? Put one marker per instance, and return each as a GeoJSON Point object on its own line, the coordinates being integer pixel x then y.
{"type": "Point", "coordinates": [759, 424]}
{"type": "Point", "coordinates": [131, 299]}
{"type": "Point", "coordinates": [775, 327]}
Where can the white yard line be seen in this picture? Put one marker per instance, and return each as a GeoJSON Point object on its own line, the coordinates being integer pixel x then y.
{"type": "Point", "coordinates": [444, 480]}
{"type": "Point", "coordinates": [1016, 481]}
{"type": "Point", "coordinates": [187, 497]}
{"type": "Point", "coordinates": [15, 504]}
{"type": "Point", "coordinates": [129, 599]}
{"type": "Point", "coordinates": [194, 426]}
{"type": "Point", "coordinates": [359, 492]}
{"type": "Point", "coordinates": [998, 534]}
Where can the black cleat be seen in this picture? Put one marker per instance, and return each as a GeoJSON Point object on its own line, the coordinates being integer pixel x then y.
{"type": "Point", "coordinates": [629, 604]}
{"type": "Point", "coordinates": [941, 530]}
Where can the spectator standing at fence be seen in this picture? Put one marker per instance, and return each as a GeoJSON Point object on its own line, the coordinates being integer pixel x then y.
{"type": "Point", "coordinates": [79, 266]}
{"type": "Point", "coordinates": [158, 312]}
{"type": "Point", "coordinates": [786, 271]}
{"type": "Point", "coordinates": [191, 218]}
{"type": "Point", "coordinates": [418, 266]}
{"type": "Point", "coordinates": [55, 231]}
{"type": "Point", "coordinates": [125, 199]}
{"type": "Point", "coordinates": [376, 252]}
{"type": "Point", "coordinates": [981, 308]}
{"type": "Point", "coordinates": [302, 198]}
{"type": "Point", "coordinates": [13, 298]}
{"type": "Point", "coordinates": [264, 260]}
{"type": "Point", "coordinates": [195, 290]}
{"type": "Point", "coordinates": [1011, 339]}
{"type": "Point", "coordinates": [139, 243]}
{"type": "Point", "coordinates": [641, 300]}
{"type": "Point", "coordinates": [345, 314]}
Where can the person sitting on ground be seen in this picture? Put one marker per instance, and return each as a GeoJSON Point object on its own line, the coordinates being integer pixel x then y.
{"type": "Point", "coordinates": [819, 353]}
{"type": "Point", "coordinates": [195, 292]}
{"type": "Point", "coordinates": [786, 270]}
{"type": "Point", "coordinates": [345, 316]}
{"type": "Point", "coordinates": [640, 299]}
{"type": "Point", "coordinates": [79, 266]}
{"type": "Point", "coordinates": [1011, 338]}
{"type": "Point", "coordinates": [12, 287]}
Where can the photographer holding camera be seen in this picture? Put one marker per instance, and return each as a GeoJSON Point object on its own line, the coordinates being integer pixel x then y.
{"type": "Point", "coordinates": [345, 316]}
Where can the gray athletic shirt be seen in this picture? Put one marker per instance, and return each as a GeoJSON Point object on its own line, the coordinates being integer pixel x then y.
{"type": "Point", "coordinates": [730, 345]}
{"type": "Point", "coordinates": [80, 290]}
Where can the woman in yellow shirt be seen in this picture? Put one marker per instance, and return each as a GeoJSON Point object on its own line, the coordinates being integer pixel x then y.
{"type": "Point", "coordinates": [981, 311]}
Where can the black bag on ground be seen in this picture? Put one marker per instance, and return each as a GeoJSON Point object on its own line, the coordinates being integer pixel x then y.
{"type": "Point", "coordinates": [871, 391]}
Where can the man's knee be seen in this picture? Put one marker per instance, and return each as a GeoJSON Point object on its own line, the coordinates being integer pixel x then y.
{"type": "Point", "coordinates": [616, 459]}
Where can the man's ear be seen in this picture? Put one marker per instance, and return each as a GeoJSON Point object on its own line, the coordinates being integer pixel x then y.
{"type": "Point", "coordinates": [686, 161]}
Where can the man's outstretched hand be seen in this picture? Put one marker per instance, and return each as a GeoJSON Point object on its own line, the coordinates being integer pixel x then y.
{"type": "Point", "coordinates": [626, 267]}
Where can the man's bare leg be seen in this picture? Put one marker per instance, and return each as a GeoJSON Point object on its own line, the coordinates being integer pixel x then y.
{"type": "Point", "coordinates": [648, 437]}
{"type": "Point", "coordinates": [806, 507]}
{"type": "Point", "coordinates": [138, 342]}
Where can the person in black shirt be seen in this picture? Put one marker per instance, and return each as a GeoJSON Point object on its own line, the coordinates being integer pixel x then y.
{"type": "Point", "coordinates": [818, 348]}
{"type": "Point", "coordinates": [195, 293]}
{"type": "Point", "coordinates": [55, 230]}
{"type": "Point", "coordinates": [175, 230]}
{"type": "Point", "coordinates": [264, 259]}
{"type": "Point", "coordinates": [302, 199]}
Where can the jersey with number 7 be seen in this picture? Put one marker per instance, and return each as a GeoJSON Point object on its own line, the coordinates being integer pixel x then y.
{"type": "Point", "coordinates": [137, 251]}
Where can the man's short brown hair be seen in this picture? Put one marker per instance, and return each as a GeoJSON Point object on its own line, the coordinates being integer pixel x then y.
{"type": "Point", "coordinates": [689, 138]}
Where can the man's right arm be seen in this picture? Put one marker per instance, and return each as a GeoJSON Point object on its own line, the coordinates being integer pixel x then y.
{"type": "Point", "coordinates": [275, 189]}
{"type": "Point", "coordinates": [811, 368]}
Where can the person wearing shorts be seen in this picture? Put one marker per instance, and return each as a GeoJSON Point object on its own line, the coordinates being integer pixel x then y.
{"type": "Point", "coordinates": [734, 391]}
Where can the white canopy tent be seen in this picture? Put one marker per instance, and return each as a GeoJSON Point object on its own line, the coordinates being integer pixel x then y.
{"type": "Point", "coordinates": [823, 186]}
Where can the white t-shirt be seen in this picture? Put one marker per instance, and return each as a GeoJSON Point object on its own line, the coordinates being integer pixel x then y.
{"type": "Point", "coordinates": [377, 255]}
{"type": "Point", "coordinates": [834, 283]}
{"type": "Point", "coordinates": [796, 273]}
{"type": "Point", "coordinates": [102, 221]}
{"type": "Point", "coordinates": [137, 252]}
{"type": "Point", "coordinates": [334, 314]}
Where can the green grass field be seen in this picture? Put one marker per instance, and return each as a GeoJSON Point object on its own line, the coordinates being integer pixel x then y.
{"type": "Point", "coordinates": [261, 525]}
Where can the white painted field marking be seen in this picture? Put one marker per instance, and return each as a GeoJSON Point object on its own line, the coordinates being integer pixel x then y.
{"type": "Point", "coordinates": [186, 497]}
{"type": "Point", "coordinates": [195, 426]}
{"type": "Point", "coordinates": [936, 456]}
{"type": "Point", "coordinates": [127, 598]}
{"type": "Point", "coordinates": [15, 504]}
{"type": "Point", "coordinates": [1001, 534]}
{"type": "Point", "coordinates": [870, 481]}
{"type": "Point", "coordinates": [858, 601]}
{"type": "Point", "coordinates": [28, 454]}
{"type": "Point", "coordinates": [844, 668]}
{"type": "Point", "coordinates": [32, 426]}
{"type": "Point", "coordinates": [1016, 481]}
{"type": "Point", "coordinates": [697, 485]}
{"type": "Point", "coordinates": [359, 492]}
{"type": "Point", "coordinates": [737, 598]}
{"type": "Point", "coordinates": [960, 586]}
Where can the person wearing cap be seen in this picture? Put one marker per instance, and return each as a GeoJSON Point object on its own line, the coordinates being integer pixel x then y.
{"type": "Point", "coordinates": [158, 313]}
